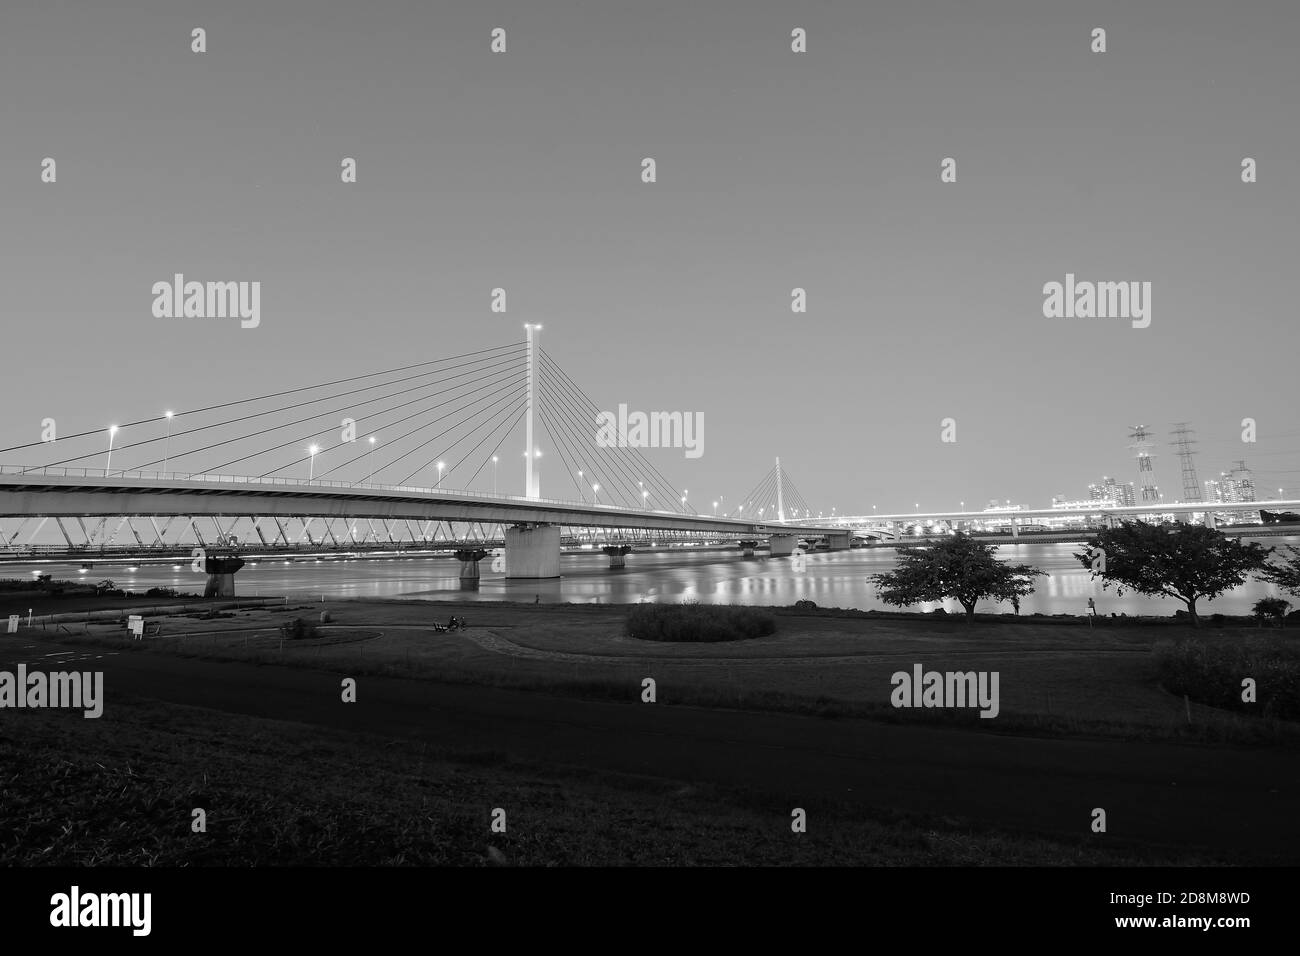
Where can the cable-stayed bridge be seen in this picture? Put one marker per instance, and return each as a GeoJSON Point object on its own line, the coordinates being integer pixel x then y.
{"type": "Point", "coordinates": [376, 461]}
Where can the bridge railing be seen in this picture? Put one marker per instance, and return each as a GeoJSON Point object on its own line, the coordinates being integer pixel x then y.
{"type": "Point", "coordinates": [60, 471]}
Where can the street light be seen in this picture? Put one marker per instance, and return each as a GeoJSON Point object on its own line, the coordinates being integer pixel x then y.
{"type": "Point", "coordinates": [494, 474]}
{"type": "Point", "coordinates": [582, 495]}
{"type": "Point", "coordinates": [371, 462]}
{"type": "Point", "coordinates": [645, 500]}
{"type": "Point", "coordinates": [112, 430]}
{"type": "Point", "coordinates": [441, 466]}
{"type": "Point", "coordinates": [311, 469]}
{"type": "Point", "coordinates": [715, 509]}
{"type": "Point", "coordinates": [167, 447]}
{"type": "Point", "coordinates": [595, 494]}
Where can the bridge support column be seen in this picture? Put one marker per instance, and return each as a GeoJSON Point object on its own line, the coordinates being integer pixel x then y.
{"type": "Point", "coordinates": [469, 559]}
{"type": "Point", "coordinates": [840, 542]}
{"type": "Point", "coordinates": [617, 553]}
{"type": "Point", "coordinates": [783, 545]}
{"type": "Point", "coordinates": [533, 551]}
{"type": "Point", "coordinates": [221, 576]}
{"type": "Point", "coordinates": [747, 548]}
{"type": "Point", "coordinates": [1210, 520]}
{"type": "Point", "coordinates": [1015, 529]}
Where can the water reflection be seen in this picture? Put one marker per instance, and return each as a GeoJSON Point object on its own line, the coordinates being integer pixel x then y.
{"type": "Point", "coordinates": [831, 579]}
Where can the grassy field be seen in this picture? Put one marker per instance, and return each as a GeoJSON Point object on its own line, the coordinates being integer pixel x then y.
{"type": "Point", "coordinates": [1055, 679]}
{"type": "Point", "coordinates": [121, 790]}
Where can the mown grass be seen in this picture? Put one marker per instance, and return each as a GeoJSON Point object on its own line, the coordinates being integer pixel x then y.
{"type": "Point", "coordinates": [1139, 710]}
{"type": "Point", "coordinates": [120, 791]}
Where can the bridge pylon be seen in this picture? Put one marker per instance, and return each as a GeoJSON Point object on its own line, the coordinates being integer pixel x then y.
{"type": "Point", "coordinates": [221, 575]}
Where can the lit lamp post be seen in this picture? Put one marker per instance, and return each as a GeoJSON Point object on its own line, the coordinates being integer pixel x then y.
{"type": "Point", "coordinates": [441, 466]}
{"type": "Point", "coordinates": [494, 474]}
{"type": "Point", "coordinates": [108, 462]}
{"type": "Point", "coordinates": [581, 494]}
{"type": "Point", "coordinates": [167, 448]}
{"type": "Point", "coordinates": [370, 455]}
{"type": "Point", "coordinates": [311, 468]}
{"type": "Point", "coordinates": [645, 500]}
{"type": "Point", "coordinates": [595, 494]}
{"type": "Point", "coordinates": [715, 509]}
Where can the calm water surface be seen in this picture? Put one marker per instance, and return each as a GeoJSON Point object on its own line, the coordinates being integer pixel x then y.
{"type": "Point", "coordinates": [831, 579]}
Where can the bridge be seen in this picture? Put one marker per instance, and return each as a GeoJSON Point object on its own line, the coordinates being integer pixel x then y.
{"type": "Point", "coordinates": [217, 514]}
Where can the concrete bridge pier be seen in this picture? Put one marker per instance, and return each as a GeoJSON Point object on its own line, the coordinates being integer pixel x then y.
{"type": "Point", "coordinates": [469, 559]}
{"type": "Point", "coordinates": [617, 553]}
{"type": "Point", "coordinates": [1211, 521]}
{"type": "Point", "coordinates": [783, 545]}
{"type": "Point", "coordinates": [840, 542]}
{"type": "Point", "coordinates": [221, 576]}
{"type": "Point", "coordinates": [533, 551]}
{"type": "Point", "coordinates": [747, 548]}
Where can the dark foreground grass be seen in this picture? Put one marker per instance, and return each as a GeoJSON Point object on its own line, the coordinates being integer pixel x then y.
{"type": "Point", "coordinates": [1211, 669]}
{"type": "Point", "coordinates": [345, 649]}
{"type": "Point", "coordinates": [121, 791]}
{"type": "Point", "coordinates": [699, 623]}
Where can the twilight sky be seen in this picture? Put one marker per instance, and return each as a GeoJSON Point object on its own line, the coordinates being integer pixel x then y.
{"type": "Point", "coordinates": [775, 169]}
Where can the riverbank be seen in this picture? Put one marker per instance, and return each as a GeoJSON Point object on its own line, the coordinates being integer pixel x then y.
{"type": "Point", "coordinates": [1057, 677]}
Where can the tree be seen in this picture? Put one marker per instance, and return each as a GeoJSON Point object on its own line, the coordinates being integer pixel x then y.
{"type": "Point", "coordinates": [1287, 574]}
{"type": "Point", "coordinates": [957, 567]}
{"type": "Point", "coordinates": [1271, 607]}
{"type": "Point", "coordinates": [1183, 561]}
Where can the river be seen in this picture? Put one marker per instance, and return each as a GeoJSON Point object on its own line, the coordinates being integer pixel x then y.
{"type": "Point", "coordinates": [831, 579]}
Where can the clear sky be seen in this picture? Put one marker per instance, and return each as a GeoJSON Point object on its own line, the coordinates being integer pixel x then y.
{"type": "Point", "coordinates": [775, 170]}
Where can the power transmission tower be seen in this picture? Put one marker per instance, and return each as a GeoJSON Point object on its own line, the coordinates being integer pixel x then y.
{"type": "Point", "coordinates": [1146, 477]}
{"type": "Point", "coordinates": [1184, 442]}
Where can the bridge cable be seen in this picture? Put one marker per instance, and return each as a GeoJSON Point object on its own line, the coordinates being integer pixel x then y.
{"type": "Point", "coordinates": [243, 401]}
{"type": "Point", "coordinates": [176, 435]}
{"type": "Point", "coordinates": [508, 378]}
{"type": "Point", "coordinates": [620, 470]}
{"type": "Point", "coordinates": [649, 467]}
{"type": "Point", "coordinates": [649, 470]}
